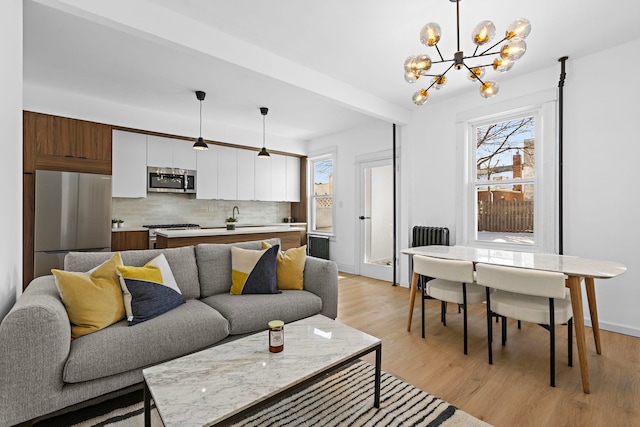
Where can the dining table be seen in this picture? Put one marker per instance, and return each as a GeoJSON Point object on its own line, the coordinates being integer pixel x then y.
{"type": "Point", "coordinates": [576, 269]}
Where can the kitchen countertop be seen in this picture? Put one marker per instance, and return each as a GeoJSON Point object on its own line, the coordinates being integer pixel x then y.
{"type": "Point", "coordinates": [168, 233]}
{"type": "Point", "coordinates": [118, 229]}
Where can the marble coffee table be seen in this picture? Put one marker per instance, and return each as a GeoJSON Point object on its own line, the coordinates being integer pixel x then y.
{"type": "Point", "coordinates": [223, 384]}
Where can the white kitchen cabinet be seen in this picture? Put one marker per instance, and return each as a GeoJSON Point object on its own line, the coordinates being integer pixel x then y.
{"type": "Point", "coordinates": [129, 164]}
{"type": "Point", "coordinates": [170, 153]}
{"type": "Point", "coordinates": [207, 173]}
{"type": "Point", "coordinates": [227, 173]}
{"type": "Point", "coordinates": [278, 177]}
{"type": "Point", "coordinates": [293, 179]}
{"type": "Point", "coordinates": [246, 174]}
{"type": "Point", "coordinates": [262, 179]}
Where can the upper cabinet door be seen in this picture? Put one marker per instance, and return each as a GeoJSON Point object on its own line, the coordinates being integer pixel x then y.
{"type": "Point", "coordinates": [207, 170]}
{"type": "Point", "coordinates": [184, 156]}
{"type": "Point", "coordinates": [293, 179]}
{"type": "Point", "coordinates": [278, 177]}
{"type": "Point", "coordinates": [170, 153]}
{"type": "Point", "coordinates": [246, 174]}
{"type": "Point", "coordinates": [129, 164]}
{"type": "Point", "coordinates": [262, 179]}
{"type": "Point", "coordinates": [159, 152]}
{"type": "Point", "coordinates": [227, 173]}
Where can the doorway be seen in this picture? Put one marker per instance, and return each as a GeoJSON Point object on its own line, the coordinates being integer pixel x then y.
{"type": "Point", "coordinates": [375, 255]}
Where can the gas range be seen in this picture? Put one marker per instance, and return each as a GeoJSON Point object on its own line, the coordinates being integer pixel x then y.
{"type": "Point", "coordinates": [153, 228]}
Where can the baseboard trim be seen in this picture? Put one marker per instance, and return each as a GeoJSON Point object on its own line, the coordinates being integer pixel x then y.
{"type": "Point", "coordinates": [615, 327]}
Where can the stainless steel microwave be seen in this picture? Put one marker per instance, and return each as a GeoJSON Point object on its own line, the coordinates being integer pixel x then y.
{"type": "Point", "coordinates": [169, 180]}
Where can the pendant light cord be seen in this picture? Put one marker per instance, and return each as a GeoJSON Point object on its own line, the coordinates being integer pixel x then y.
{"type": "Point", "coordinates": [263, 130]}
{"type": "Point", "coordinates": [200, 119]}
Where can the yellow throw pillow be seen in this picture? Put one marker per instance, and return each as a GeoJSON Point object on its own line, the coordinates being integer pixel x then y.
{"type": "Point", "coordinates": [93, 300]}
{"type": "Point", "coordinates": [290, 267]}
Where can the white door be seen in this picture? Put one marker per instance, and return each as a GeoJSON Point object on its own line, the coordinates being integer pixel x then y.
{"type": "Point", "coordinates": [376, 219]}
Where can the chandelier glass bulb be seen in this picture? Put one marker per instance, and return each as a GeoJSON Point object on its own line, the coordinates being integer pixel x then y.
{"type": "Point", "coordinates": [502, 65]}
{"type": "Point", "coordinates": [483, 33]}
{"type": "Point", "coordinates": [411, 76]}
{"type": "Point", "coordinates": [439, 81]}
{"type": "Point", "coordinates": [519, 28]}
{"type": "Point", "coordinates": [476, 73]}
{"type": "Point", "coordinates": [489, 89]}
{"type": "Point", "coordinates": [430, 34]}
{"type": "Point", "coordinates": [420, 97]}
{"type": "Point", "coordinates": [513, 49]}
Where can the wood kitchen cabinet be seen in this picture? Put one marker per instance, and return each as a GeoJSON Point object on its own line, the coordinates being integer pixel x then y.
{"type": "Point", "coordinates": [60, 143]}
{"type": "Point", "coordinates": [129, 240]}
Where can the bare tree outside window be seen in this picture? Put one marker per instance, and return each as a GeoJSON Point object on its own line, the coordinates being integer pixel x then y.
{"type": "Point", "coordinates": [505, 177]}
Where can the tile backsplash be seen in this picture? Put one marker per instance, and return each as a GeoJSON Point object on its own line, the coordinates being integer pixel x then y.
{"type": "Point", "coordinates": [181, 208]}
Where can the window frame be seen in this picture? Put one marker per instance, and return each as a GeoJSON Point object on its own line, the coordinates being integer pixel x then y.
{"type": "Point", "coordinates": [542, 107]}
{"type": "Point", "coordinates": [311, 160]}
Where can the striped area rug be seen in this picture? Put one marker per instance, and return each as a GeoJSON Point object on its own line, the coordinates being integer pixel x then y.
{"type": "Point", "coordinates": [343, 399]}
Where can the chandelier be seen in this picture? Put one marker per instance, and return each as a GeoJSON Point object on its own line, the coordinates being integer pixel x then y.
{"type": "Point", "coordinates": [417, 66]}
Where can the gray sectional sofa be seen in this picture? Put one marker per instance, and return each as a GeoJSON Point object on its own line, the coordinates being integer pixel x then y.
{"type": "Point", "coordinates": [43, 371]}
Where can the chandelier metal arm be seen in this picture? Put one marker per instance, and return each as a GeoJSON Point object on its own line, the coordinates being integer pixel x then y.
{"type": "Point", "coordinates": [471, 71]}
{"type": "Point", "coordinates": [494, 45]}
{"type": "Point", "coordinates": [441, 75]}
{"type": "Point", "coordinates": [438, 49]}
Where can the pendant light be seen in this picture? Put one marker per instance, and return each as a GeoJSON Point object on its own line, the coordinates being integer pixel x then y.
{"type": "Point", "coordinates": [263, 154]}
{"type": "Point", "coordinates": [200, 144]}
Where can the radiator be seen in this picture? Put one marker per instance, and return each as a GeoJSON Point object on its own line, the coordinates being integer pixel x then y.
{"type": "Point", "coordinates": [427, 236]}
{"type": "Point", "coordinates": [318, 246]}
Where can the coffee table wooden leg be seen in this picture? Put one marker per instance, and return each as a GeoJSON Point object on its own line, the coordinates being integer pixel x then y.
{"type": "Point", "coordinates": [578, 321]}
{"type": "Point", "coordinates": [412, 298]}
{"type": "Point", "coordinates": [376, 400]}
{"type": "Point", "coordinates": [593, 310]}
{"type": "Point", "coordinates": [147, 406]}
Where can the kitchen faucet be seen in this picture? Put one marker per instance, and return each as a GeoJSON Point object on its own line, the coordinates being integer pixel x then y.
{"type": "Point", "coordinates": [233, 213]}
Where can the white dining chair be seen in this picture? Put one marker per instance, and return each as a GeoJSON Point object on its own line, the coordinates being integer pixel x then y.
{"type": "Point", "coordinates": [533, 296]}
{"type": "Point", "coordinates": [453, 281]}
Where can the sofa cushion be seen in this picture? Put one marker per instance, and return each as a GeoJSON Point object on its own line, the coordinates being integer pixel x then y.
{"type": "Point", "coordinates": [149, 291]}
{"type": "Point", "coordinates": [93, 300]}
{"type": "Point", "coordinates": [214, 265]}
{"type": "Point", "coordinates": [181, 260]}
{"type": "Point", "coordinates": [254, 272]}
{"type": "Point", "coordinates": [290, 267]}
{"type": "Point", "coordinates": [252, 313]}
{"type": "Point", "coordinates": [118, 348]}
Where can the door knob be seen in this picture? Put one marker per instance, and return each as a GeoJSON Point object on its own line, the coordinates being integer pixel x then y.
{"type": "Point", "coordinates": [364, 217]}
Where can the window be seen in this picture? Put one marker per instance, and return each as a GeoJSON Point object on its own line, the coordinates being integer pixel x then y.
{"type": "Point", "coordinates": [505, 180]}
{"type": "Point", "coordinates": [508, 190]}
{"type": "Point", "coordinates": [321, 199]}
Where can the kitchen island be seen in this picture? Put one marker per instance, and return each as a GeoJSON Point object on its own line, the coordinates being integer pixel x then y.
{"type": "Point", "coordinates": [289, 236]}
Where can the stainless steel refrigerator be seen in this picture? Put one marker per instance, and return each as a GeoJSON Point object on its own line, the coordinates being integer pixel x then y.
{"type": "Point", "coordinates": [73, 213]}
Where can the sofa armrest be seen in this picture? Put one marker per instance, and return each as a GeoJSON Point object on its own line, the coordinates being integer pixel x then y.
{"type": "Point", "coordinates": [321, 278]}
{"type": "Point", "coordinates": [35, 338]}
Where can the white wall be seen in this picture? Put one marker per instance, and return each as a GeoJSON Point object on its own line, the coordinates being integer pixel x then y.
{"type": "Point", "coordinates": [601, 149]}
{"type": "Point", "coordinates": [67, 104]}
{"type": "Point", "coordinates": [372, 138]}
{"type": "Point", "coordinates": [11, 147]}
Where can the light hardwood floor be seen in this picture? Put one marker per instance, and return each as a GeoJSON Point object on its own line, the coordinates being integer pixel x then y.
{"type": "Point", "coordinates": [515, 390]}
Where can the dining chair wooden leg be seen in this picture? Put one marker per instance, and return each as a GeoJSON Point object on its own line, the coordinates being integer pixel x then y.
{"type": "Point", "coordinates": [424, 296]}
{"type": "Point", "coordinates": [593, 311]}
{"type": "Point", "coordinates": [412, 298]}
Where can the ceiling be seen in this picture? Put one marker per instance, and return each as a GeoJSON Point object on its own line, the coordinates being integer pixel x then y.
{"type": "Point", "coordinates": [320, 66]}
